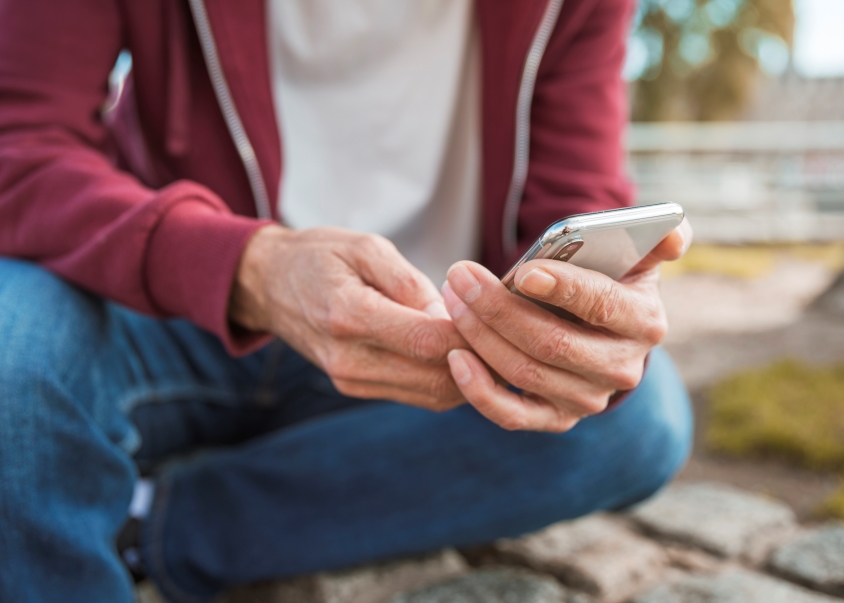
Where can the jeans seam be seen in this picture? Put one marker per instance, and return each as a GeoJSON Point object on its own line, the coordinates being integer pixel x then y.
{"type": "Point", "coordinates": [158, 569]}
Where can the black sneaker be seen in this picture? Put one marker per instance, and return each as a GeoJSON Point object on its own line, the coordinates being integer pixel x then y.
{"type": "Point", "coordinates": [128, 547]}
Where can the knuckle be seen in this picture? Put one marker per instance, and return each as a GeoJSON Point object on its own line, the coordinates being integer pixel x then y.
{"type": "Point", "coordinates": [570, 293]}
{"type": "Point", "coordinates": [344, 386]}
{"type": "Point", "coordinates": [628, 377]}
{"type": "Point", "coordinates": [564, 424]}
{"type": "Point", "coordinates": [404, 285]}
{"type": "Point", "coordinates": [526, 375]}
{"type": "Point", "coordinates": [375, 244]}
{"type": "Point", "coordinates": [444, 404]}
{"type": "Point", "coordinates": [427, 344]}
{"type": "Point", "coordinates": [338, 325]}
{"type": "Point", "coordinates": [321, 319]}
{"type": "Point", "coordinates": [339, 367]}
{"type": "Point", "coordinates": [515, 421]}
{"type": "Point", "coordinates": [495, 313]}
{"type": "Point", "coordinates": [609, 305]}
{"type": "Point", "coordinates": [350, 314]}
{"type": "Point", "coordinates": [656, 330]}
{"type": "Point", "coordinates": [337, 321]}
{"type": "Point", "coordinates": [554, 344]}
{"type": "Point", "coordinates": [589, 403]}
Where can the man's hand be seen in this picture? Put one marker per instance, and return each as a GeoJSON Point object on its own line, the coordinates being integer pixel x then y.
{"type": "Point", "coordinates": [565, 370]}
{"type": "Point", "coordinates": [354, 306]}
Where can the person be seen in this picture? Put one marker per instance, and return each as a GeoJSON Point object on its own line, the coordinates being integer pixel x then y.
{"type": "Point", "coordinates": [228, 282]}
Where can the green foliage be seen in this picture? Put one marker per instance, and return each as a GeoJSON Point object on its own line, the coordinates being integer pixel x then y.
{"type": "Point", "coordinates": [788, 410]}
{"type": "Point", "coordinates": [701, 57]}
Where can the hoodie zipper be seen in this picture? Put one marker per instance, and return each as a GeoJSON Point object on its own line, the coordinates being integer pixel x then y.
{"type": "Point", "coordinates": [230, 114]}
{"type": "Point", "coordinates": [523, 106]}
{"type": "Point", "coordinates": [522, 142]}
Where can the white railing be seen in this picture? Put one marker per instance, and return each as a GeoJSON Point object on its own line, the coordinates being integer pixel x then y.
{"type": "Point", "coordinates": [745, 181]}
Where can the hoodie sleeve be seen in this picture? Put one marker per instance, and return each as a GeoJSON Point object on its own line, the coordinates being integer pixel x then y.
{"type": "Point", "coordinates": [64, 205]}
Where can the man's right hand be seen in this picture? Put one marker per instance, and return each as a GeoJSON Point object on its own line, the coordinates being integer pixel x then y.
{"type": "Point", "coordinates": [350, 303]}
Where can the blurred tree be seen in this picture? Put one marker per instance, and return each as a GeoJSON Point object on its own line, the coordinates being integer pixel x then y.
{"type": "Point", "coordinates": [700, 59]}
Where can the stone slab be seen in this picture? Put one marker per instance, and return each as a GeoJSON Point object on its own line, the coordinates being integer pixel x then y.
{"type": "Point", "coordinates": [598, 555]}
{"type": "Point", "coordinates": [732, 586]}
{"type": "Point", "coordinates": [494, 585]}
{"type": "Point", "coordinates": [815, 558]}
{"type": "Point", "coordinates": [692, 560]}
{"type": "Point", "coordinates": [375, 583]}
{"type": "Point", "coordinates": [147, 593]}
{"type": "Point", "coordinates": [718, 518]}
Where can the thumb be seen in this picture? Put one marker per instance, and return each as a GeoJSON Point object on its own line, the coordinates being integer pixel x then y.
{"type": "Point", "coordinates": [380, 265]}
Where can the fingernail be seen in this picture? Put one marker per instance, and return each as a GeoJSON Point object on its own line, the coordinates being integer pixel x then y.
{"type": "Point", "coordinates": [538, 282]}
{"type": "Point", "coordinates": [464, 283]}
{"type": "Point", "coordinates": [436, 309]}
{"type": "Point", "coordinates": [459, 369]}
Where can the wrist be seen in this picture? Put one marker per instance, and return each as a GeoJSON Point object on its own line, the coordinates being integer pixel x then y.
{"type": "Point", "coordinates": [249, 304]}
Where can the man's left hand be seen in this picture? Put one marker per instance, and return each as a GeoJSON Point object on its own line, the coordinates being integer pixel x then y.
{"type": "Point", "coordinates": [565, 370]}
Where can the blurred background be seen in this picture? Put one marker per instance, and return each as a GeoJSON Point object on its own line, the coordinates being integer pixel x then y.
{"type": "Point", "coordinates": [738, 114]}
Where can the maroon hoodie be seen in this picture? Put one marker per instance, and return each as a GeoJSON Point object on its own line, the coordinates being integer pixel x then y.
{"type": "Point", "coordinates": [152, 205]}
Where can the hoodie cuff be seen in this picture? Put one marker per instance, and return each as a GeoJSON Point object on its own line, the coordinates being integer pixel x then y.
{"type": "Point", "coordinates": [191, 263]}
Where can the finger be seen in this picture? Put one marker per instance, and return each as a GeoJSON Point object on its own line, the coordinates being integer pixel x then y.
{"type": "Point", "coordinates": [594, 298]}
{"type": "Point", "coordinates": [372, 366]}
{"type": "Point", "coordinates": [671, 248]}
{"type": "Point", "coordinates": [378, 391]}
{"type": "Point", "coordinates": [500, 405]}
{"type": "Point", "coordinates": [360, 313]}
{"type": "Point", "coordinates": [599, 357]}
{"type": "Point", "coordinates": [382, 266]}
{"type": "Point", "coordinates": [560, 387]}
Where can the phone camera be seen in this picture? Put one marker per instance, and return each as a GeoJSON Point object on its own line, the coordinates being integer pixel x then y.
{"type": "Point", "coordinates": [569, 250]}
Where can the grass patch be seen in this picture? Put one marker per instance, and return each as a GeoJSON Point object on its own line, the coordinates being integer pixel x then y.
{"type": "Point", "coordinates": [788, 410]}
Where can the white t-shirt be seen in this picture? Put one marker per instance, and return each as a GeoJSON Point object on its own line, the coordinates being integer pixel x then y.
{"type": "Point", "coordinates": [378, 103]}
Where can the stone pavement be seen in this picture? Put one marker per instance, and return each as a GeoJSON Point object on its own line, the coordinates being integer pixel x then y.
{"type": "Point", "coordinates": [692, 543]}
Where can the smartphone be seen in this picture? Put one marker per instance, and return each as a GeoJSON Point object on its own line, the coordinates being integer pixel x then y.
{"type": "Point", "coordinates": [611, 242]}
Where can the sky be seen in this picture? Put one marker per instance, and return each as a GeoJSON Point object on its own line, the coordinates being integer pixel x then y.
{"type": "Point", "coordinates": [819, 38]}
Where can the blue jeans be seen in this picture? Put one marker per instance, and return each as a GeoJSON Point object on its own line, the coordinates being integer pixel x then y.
{"type": "Point", "coordinates": [262, 468]}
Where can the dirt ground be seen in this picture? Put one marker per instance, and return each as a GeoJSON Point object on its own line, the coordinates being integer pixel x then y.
{"type": "Point", "coordinates": [721, 324]}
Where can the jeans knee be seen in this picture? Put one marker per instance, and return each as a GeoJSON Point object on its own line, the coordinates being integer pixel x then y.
{"type": "Point", "coordinates": [664, 425]}
{"type": "Point", "coordinates": [56, 367]}
{"type": "Point", "coordinates": [672, 443]}
{"type": "Point", "coordinates": [48, 329]}
{"type": "Point", "coordinates": [45, 322]}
